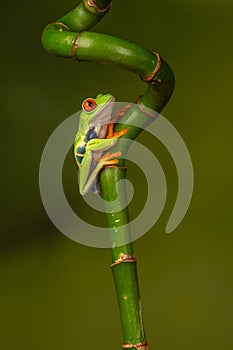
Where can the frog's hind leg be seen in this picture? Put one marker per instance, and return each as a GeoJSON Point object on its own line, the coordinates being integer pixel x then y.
{"type": "Point", "coordinates": [117, 134]}
{"type": "Point", "coordinates": [86, 171]}
{"type": "Point", "coordinates": [107, 159]}
{"type": "Point", "coordinates": [90, 169]}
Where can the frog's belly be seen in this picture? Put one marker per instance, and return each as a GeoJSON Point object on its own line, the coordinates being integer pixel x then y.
{"type": "Point", "coordinates": [101, 131]}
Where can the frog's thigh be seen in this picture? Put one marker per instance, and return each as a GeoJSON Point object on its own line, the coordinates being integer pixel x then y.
{"type": "Point", "coordinates": [101, 144]}
{"type": "Point", "coordinates": [87, 167]}
{"type": "Point", "coordinates": [89, 173]}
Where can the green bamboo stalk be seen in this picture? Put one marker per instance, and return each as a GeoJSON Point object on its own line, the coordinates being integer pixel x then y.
{"type": "Point", "coordinates": [125, 273]}
{"type": "Point", "coordinates": [69, 37]}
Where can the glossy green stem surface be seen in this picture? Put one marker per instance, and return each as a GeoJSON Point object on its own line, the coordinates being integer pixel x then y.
{"type": "Point", "coordinates": [124, 274]}
{"type": "Point", "coordinates": [69, 37]}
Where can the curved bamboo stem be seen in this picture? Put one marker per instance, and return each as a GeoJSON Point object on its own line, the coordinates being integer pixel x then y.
{"type": "Point", "coordinates": [69, 37]}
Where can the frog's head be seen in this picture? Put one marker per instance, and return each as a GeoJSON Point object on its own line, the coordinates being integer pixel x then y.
{"type": "Point", "coordinates": [97, 111]}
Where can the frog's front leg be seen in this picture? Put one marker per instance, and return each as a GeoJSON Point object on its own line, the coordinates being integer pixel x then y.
{"type": "Point", "coordinates": [91, 164]}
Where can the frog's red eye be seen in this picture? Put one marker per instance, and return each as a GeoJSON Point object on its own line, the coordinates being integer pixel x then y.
{"type": "Point", "coordinates": [89, 105]}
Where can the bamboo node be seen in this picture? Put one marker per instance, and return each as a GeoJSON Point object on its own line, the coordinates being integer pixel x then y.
{"type": "Point", "coordinates": [75, 46]}
{"type": "Point", "coordinates": [145, 111]}
{"type": "Point", "coordinates": [124, 258]}
{"type": "Point", "coordinates": [150, 78]}
{"type": "Point", "coordinates": [138, 346]}
{"type": "Point", "coordinates": [115, 167]}
{"type": "Point", "coordinates": [91, 3]}
{"type": "Point", "coordinates": [65, 26]}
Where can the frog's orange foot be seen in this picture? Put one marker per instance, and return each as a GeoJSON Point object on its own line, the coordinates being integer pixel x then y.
{"type": "Point", "coordinates": [120, 133]}
{"type": "Point", "coordinates": [117, 134]}
{"type": "Point", "coordinates": [110, 130]}
{"type": "Point", "coordinates": [111, 162]}
{"type": "Point", "coordinates": [121, 112]}
{"type": "Point", "coordinates": [116, 117]}
{"type": "Point", "coordinates": [107, 158]}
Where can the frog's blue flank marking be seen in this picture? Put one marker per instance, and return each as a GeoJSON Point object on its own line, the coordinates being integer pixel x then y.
{"type": "Point", "coordinates": [81, 149]}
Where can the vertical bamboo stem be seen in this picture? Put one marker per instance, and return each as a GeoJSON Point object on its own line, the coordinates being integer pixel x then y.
{"type": "Point", "coordinates": [124, 268]}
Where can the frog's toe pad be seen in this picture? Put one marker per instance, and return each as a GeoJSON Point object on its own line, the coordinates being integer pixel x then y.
{"type": "Point", "coordinates": [120, 133]}
{"type": "Point", "coordinates": [111, 162]}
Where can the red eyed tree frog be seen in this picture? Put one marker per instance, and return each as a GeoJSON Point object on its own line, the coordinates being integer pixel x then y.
{"type": "Point", "coordinates": [95, 135]}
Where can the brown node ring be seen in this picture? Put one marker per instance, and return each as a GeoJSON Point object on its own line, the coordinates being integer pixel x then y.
{"type": "Point", "coordinates": [75, 46]}
{"type": "Point", "coordinates": [92, 3]}
{"type": "Point", "coordinates": [124, 258]}
{"type": "Point", "coordinates": [150, 78]}
{"type": "Point", "coordinates": [145, 111]}
{"type": "Point", "coordinates": [115, 166]}
{"type": "Point", "coordinates": [138, 346]}
{"type": "Point", "coordinates": [63, 25]}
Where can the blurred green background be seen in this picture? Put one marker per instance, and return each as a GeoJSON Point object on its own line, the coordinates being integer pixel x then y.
{"type": "Point", "coordinates": [58, 294]}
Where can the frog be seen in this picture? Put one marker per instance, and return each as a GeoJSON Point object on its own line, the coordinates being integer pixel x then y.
{"type": "Point", "coordinates": [94, 138]}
